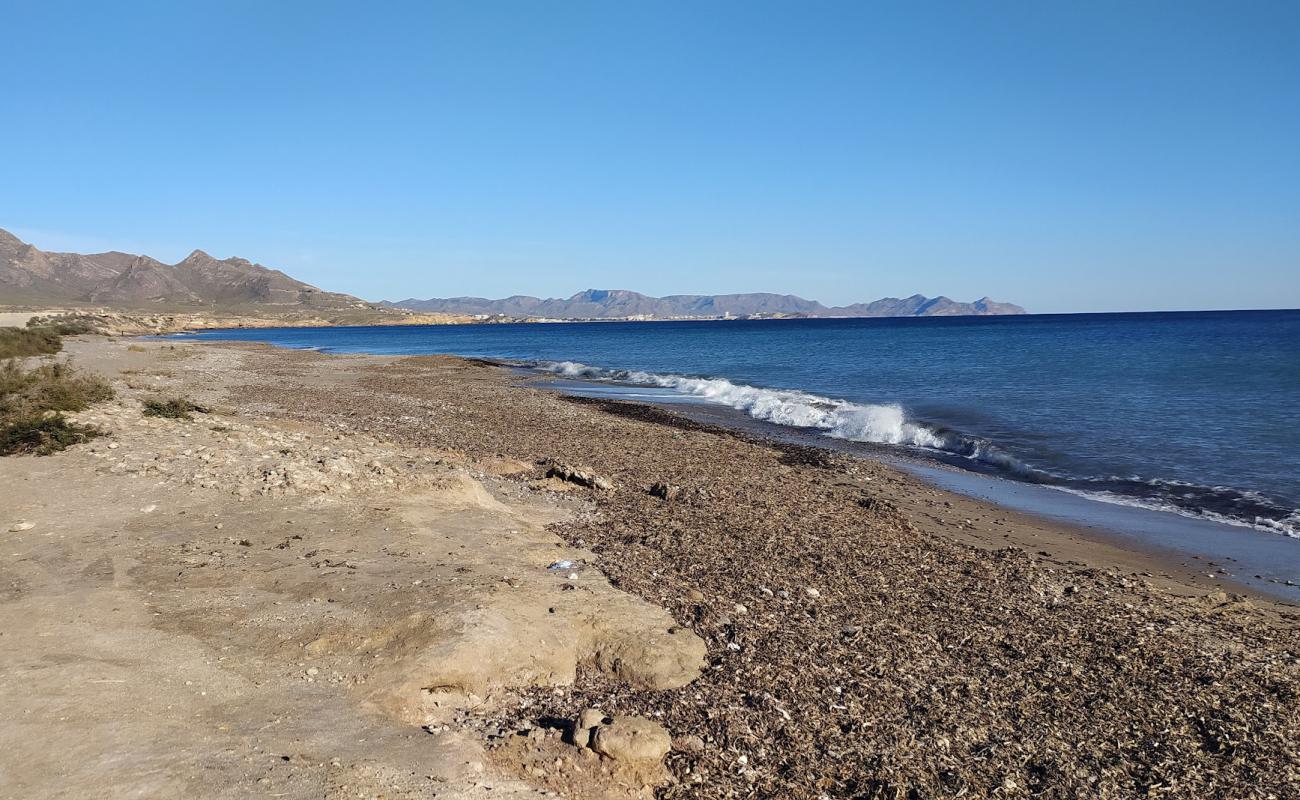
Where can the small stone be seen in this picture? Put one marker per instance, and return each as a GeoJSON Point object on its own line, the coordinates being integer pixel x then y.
{"type": "Point", "coordinates": [149, 509]}
{"type": "Point", "coordinates": [586, 723]}
{"type": "Point", "coordinates": [741, 608]}
{"type": "Point", "coordinates": [695, 596]}
{"type": "Point", "coordinates": [632, 739]}
{"type": "Point", "coordinates": [689, 744]}
{"type": "Point", "coordinates": [313, 671]}
{"type": "Point", "coordinates": [666, 491]}
{"type": "Point", "coordinates": [21, 526]}
{"type": "Point", "coordinates": [812, 592]}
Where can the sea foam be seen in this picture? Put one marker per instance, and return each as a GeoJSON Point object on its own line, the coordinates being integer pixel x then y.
{"type": "Point", "coordinates": [877, 423]}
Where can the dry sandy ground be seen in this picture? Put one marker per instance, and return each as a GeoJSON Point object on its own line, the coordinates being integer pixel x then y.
{"type": "Point", "coordinates": [239, 607]}
{"type": "Point", "coordinates": [18, 319]}
{"type": "Point", "coordinates": [337, 585]}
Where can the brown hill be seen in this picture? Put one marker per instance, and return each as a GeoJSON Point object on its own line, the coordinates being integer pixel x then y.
{"type": "Point", "coordinates": [30, 275]}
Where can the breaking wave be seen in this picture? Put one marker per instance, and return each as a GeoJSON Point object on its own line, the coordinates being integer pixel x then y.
{"type": "Point", "coordinates": [889, 424]}
{"type": "Point", "coordinates": [857, 422]}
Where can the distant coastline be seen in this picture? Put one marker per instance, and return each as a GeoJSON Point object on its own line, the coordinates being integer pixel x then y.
{"type": "Point", "coordinates": [623, 304]}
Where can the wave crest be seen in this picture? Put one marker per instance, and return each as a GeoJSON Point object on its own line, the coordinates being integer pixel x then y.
{"type": "Point", "coordinates": [875, 423]}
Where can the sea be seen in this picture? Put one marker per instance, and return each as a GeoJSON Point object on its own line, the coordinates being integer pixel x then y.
{"type": "Point", "coordinates": [1192, 414]}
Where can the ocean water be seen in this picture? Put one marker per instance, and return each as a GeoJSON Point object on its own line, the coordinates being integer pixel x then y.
{"type": "Point", "coordinates": [1193, 413]}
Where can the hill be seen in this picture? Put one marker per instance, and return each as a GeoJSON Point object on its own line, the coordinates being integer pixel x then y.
{"type": "Point", "coordinates": [624, 304]}
{"type": "Point", "coordinates": [29, 275]}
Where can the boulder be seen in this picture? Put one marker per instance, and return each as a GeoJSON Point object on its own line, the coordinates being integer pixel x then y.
{"type": "Point", "coordinates": [632, 740]}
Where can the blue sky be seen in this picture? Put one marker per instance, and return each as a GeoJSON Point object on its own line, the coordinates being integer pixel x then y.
{"type": "Point", "coordinates": [1069, 156]}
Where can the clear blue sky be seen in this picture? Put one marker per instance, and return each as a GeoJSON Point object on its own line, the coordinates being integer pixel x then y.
{"type": "Point", "coordinates": [1069, 156]}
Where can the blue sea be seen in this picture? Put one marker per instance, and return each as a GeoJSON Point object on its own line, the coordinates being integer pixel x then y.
{"type": "Point", "coordinates": [1196, 414]}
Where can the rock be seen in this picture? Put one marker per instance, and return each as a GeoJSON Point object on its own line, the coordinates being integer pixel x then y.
{"type": "Point", "coordinates": [812, 592]}
{"type": "Point", "coordinates": [586, 724]}
{"type": "Point", "coordinates": [21, 526]}
{"type": "Point", "coordinates": [695, 596]}
{"type": "Point", "coordinates": [632, 739]}
{"type": "Point", "coordinates": [149, 509]}
{"type": "Point", "coordinates": [666, 491]}
{"type": "Point", "coordinates": [689, 744]}
{"type": "Point", "coordinates": [582, 477]}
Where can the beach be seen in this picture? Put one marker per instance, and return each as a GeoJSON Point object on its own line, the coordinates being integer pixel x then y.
{"type": "Point", "coordinates": [359, 575]}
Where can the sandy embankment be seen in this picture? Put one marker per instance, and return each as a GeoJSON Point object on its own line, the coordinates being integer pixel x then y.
{"type": "Point", "coordinates": [120, 322]}
{"type": "Point", "coordinates": [866, 635]}
{"type": "Point", "coordinates": [235, 606]}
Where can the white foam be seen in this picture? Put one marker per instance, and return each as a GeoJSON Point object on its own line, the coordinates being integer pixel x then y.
{"type": "Point", "coordinates": [1288, 526]}
{"type": "Point", "coordinates": [881, 424]}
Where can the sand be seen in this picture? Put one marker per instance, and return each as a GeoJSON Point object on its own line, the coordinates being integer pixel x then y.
{"type": "Point", "coordinates": [802, 623]}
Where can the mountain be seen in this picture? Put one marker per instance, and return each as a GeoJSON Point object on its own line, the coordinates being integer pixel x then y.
{"type": "Point", "coordinates": [29, 275]}
{"type": "Point", "coordinates": [623, 304]}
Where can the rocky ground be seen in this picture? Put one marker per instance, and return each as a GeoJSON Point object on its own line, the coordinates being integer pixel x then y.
{"type": "Point", "coordinates": [789, 622]}
{"type": "Point", "coordinates": [235, 606]}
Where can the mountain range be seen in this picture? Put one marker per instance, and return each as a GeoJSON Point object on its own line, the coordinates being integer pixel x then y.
{"type": "Point", "coordinates": [30, 275]}
{"type": "Point", "coordinates": [623, 304]}
{"type": "Point", "coordinates": [123, 280]}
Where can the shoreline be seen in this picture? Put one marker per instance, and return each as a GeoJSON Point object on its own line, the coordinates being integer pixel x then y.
{"type": "Point", "coordinates": [1200, 505]}
{"type": "Point", "coordinates": [1163, 562]}
{"type": "Point", "coordinates": [352, 557]}
{"type": "Point", "coordinates": [1098, 545]}
{"type": "Point", "coordinates": [1103, 523]}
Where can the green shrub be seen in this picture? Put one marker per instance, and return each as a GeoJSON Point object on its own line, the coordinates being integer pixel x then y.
{"type": "Point", "coordinates": [175, 408]}
{"type": "Point", "coordinates": [42, 435]}
{"type": "Point", "coordinates": [26, 342]}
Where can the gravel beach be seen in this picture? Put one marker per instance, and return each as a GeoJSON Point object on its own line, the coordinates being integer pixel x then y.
{"type": "Point", "coordinates": [473, 561]}
{"type": "Point", "coordinates": [869, 636]}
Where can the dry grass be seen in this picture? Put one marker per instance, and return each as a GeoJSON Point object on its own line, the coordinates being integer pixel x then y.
{"type": "Point", "coordinates": [32, 404]}
{"type": "Point", "coordinates": [175, 408]}
{"type": "Point", "coordinates": [28, 342]}
{"type": "Point", "coordinates": [66, 325]}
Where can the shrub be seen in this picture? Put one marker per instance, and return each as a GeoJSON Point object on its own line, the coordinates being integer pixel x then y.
{"type": "Point", "coordinates": [32, 403]}
{"type": "Point", "coordinates": [42, 435]}
{"type": "Point", "coordinates": [26, 342]}
{"type": "Point", "coordinates": [49, 387]}
{"type": "Point", "coordinates": [175, 408]}
{"type": "Point", "coordinates": [73, 325]}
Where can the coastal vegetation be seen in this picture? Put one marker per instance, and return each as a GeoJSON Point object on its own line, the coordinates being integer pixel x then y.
{"type": "Point", "coordinates": [173, 408]}
{"type": "Point", "coordinates": [28, 342]}
{"type": "Point", "coordinates": [33, 404]}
